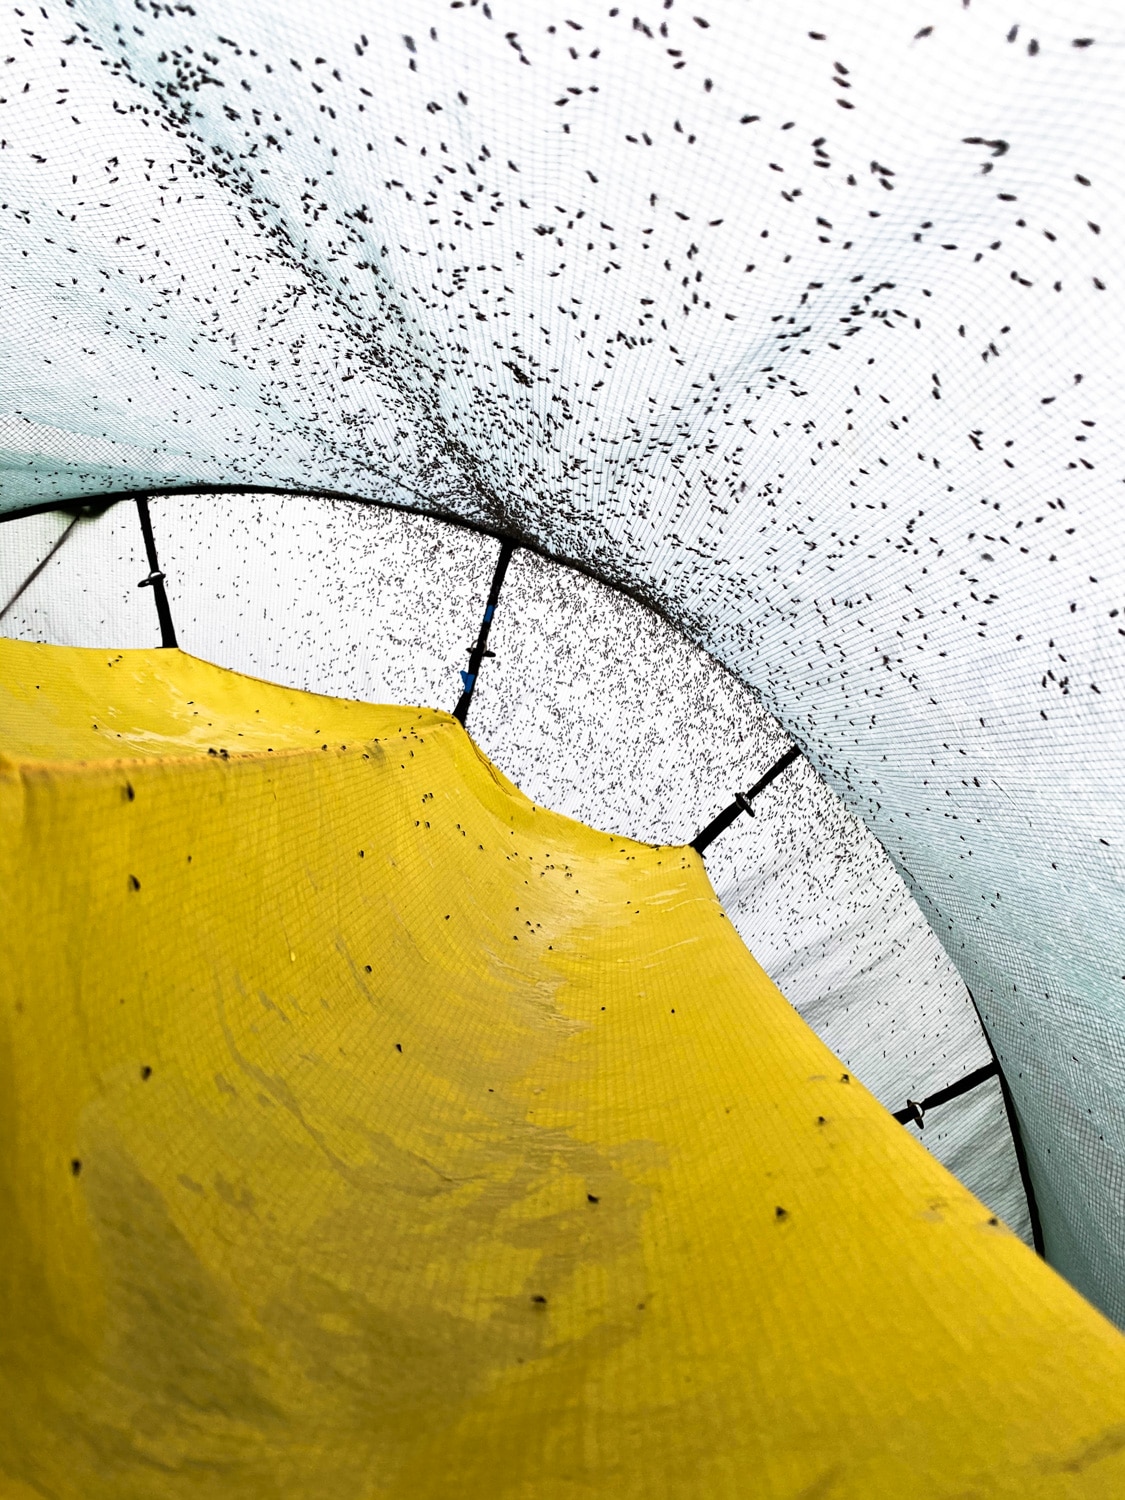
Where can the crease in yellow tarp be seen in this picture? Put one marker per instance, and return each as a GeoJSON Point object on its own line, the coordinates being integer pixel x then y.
{"type": "Point", "coordinates": [345, 1153]}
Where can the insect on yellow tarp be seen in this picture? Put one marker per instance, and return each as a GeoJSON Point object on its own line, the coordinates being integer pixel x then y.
{"type": "Point", "coordinates": [370, 1131]}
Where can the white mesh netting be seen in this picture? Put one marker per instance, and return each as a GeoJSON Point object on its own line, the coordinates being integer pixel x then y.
{"type": "Point", "coordinates": [800, 322]}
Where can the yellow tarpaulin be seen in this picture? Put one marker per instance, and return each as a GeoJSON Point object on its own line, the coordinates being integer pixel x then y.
{"type": "Point", "coordinates": [367, 1131]}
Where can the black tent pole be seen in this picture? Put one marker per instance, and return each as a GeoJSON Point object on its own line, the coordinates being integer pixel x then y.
{"type": "Point", "coordinates": [38, 568]}
{"type": "Point", "coordinates": [155, 579]}
{"type": "Point", "coordinates": [743, 803]}
{"type": "Point", "coordinates": [480, 650]}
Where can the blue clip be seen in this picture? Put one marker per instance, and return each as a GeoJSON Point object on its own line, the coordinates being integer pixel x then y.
{"type": "Point", "coordinates": [468, 678]}
{"type": "Point", "coordinates": [489, 612]}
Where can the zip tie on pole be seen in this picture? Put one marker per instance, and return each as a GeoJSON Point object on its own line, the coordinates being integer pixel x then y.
{"type": "Point", "coordinates": [743, 803]}
{"type": "Point", "coordinates": [480, 650]}
{"type": "Point", "coordinates": [155, 579]}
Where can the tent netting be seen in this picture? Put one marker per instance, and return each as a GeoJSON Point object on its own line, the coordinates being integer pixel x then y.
{"type": "Point", "coordinates": [617, 283]}
{"type": "Point", "coordinates": [576, 707]}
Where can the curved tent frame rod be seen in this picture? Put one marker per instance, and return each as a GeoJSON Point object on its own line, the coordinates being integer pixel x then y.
{"type": "Point", "coordinates": [1021, 1157]}
{"type": "Point", "coordinates": [914, 1109]}
{"type": "Point", "coordinates": [1017, 1138]}
{"type": "Point", "coordinates": [97, 504]}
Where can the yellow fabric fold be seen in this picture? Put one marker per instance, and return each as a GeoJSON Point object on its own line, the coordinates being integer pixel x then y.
{"type": "Point", "coordinates": [368, 1131]}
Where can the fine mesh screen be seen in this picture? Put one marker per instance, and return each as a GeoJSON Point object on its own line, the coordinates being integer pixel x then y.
{"type": "Point", "coordinates": [801, 323]}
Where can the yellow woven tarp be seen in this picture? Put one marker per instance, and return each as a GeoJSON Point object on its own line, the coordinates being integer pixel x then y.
{"type": "Point", "coordinates": [367, 1131]}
